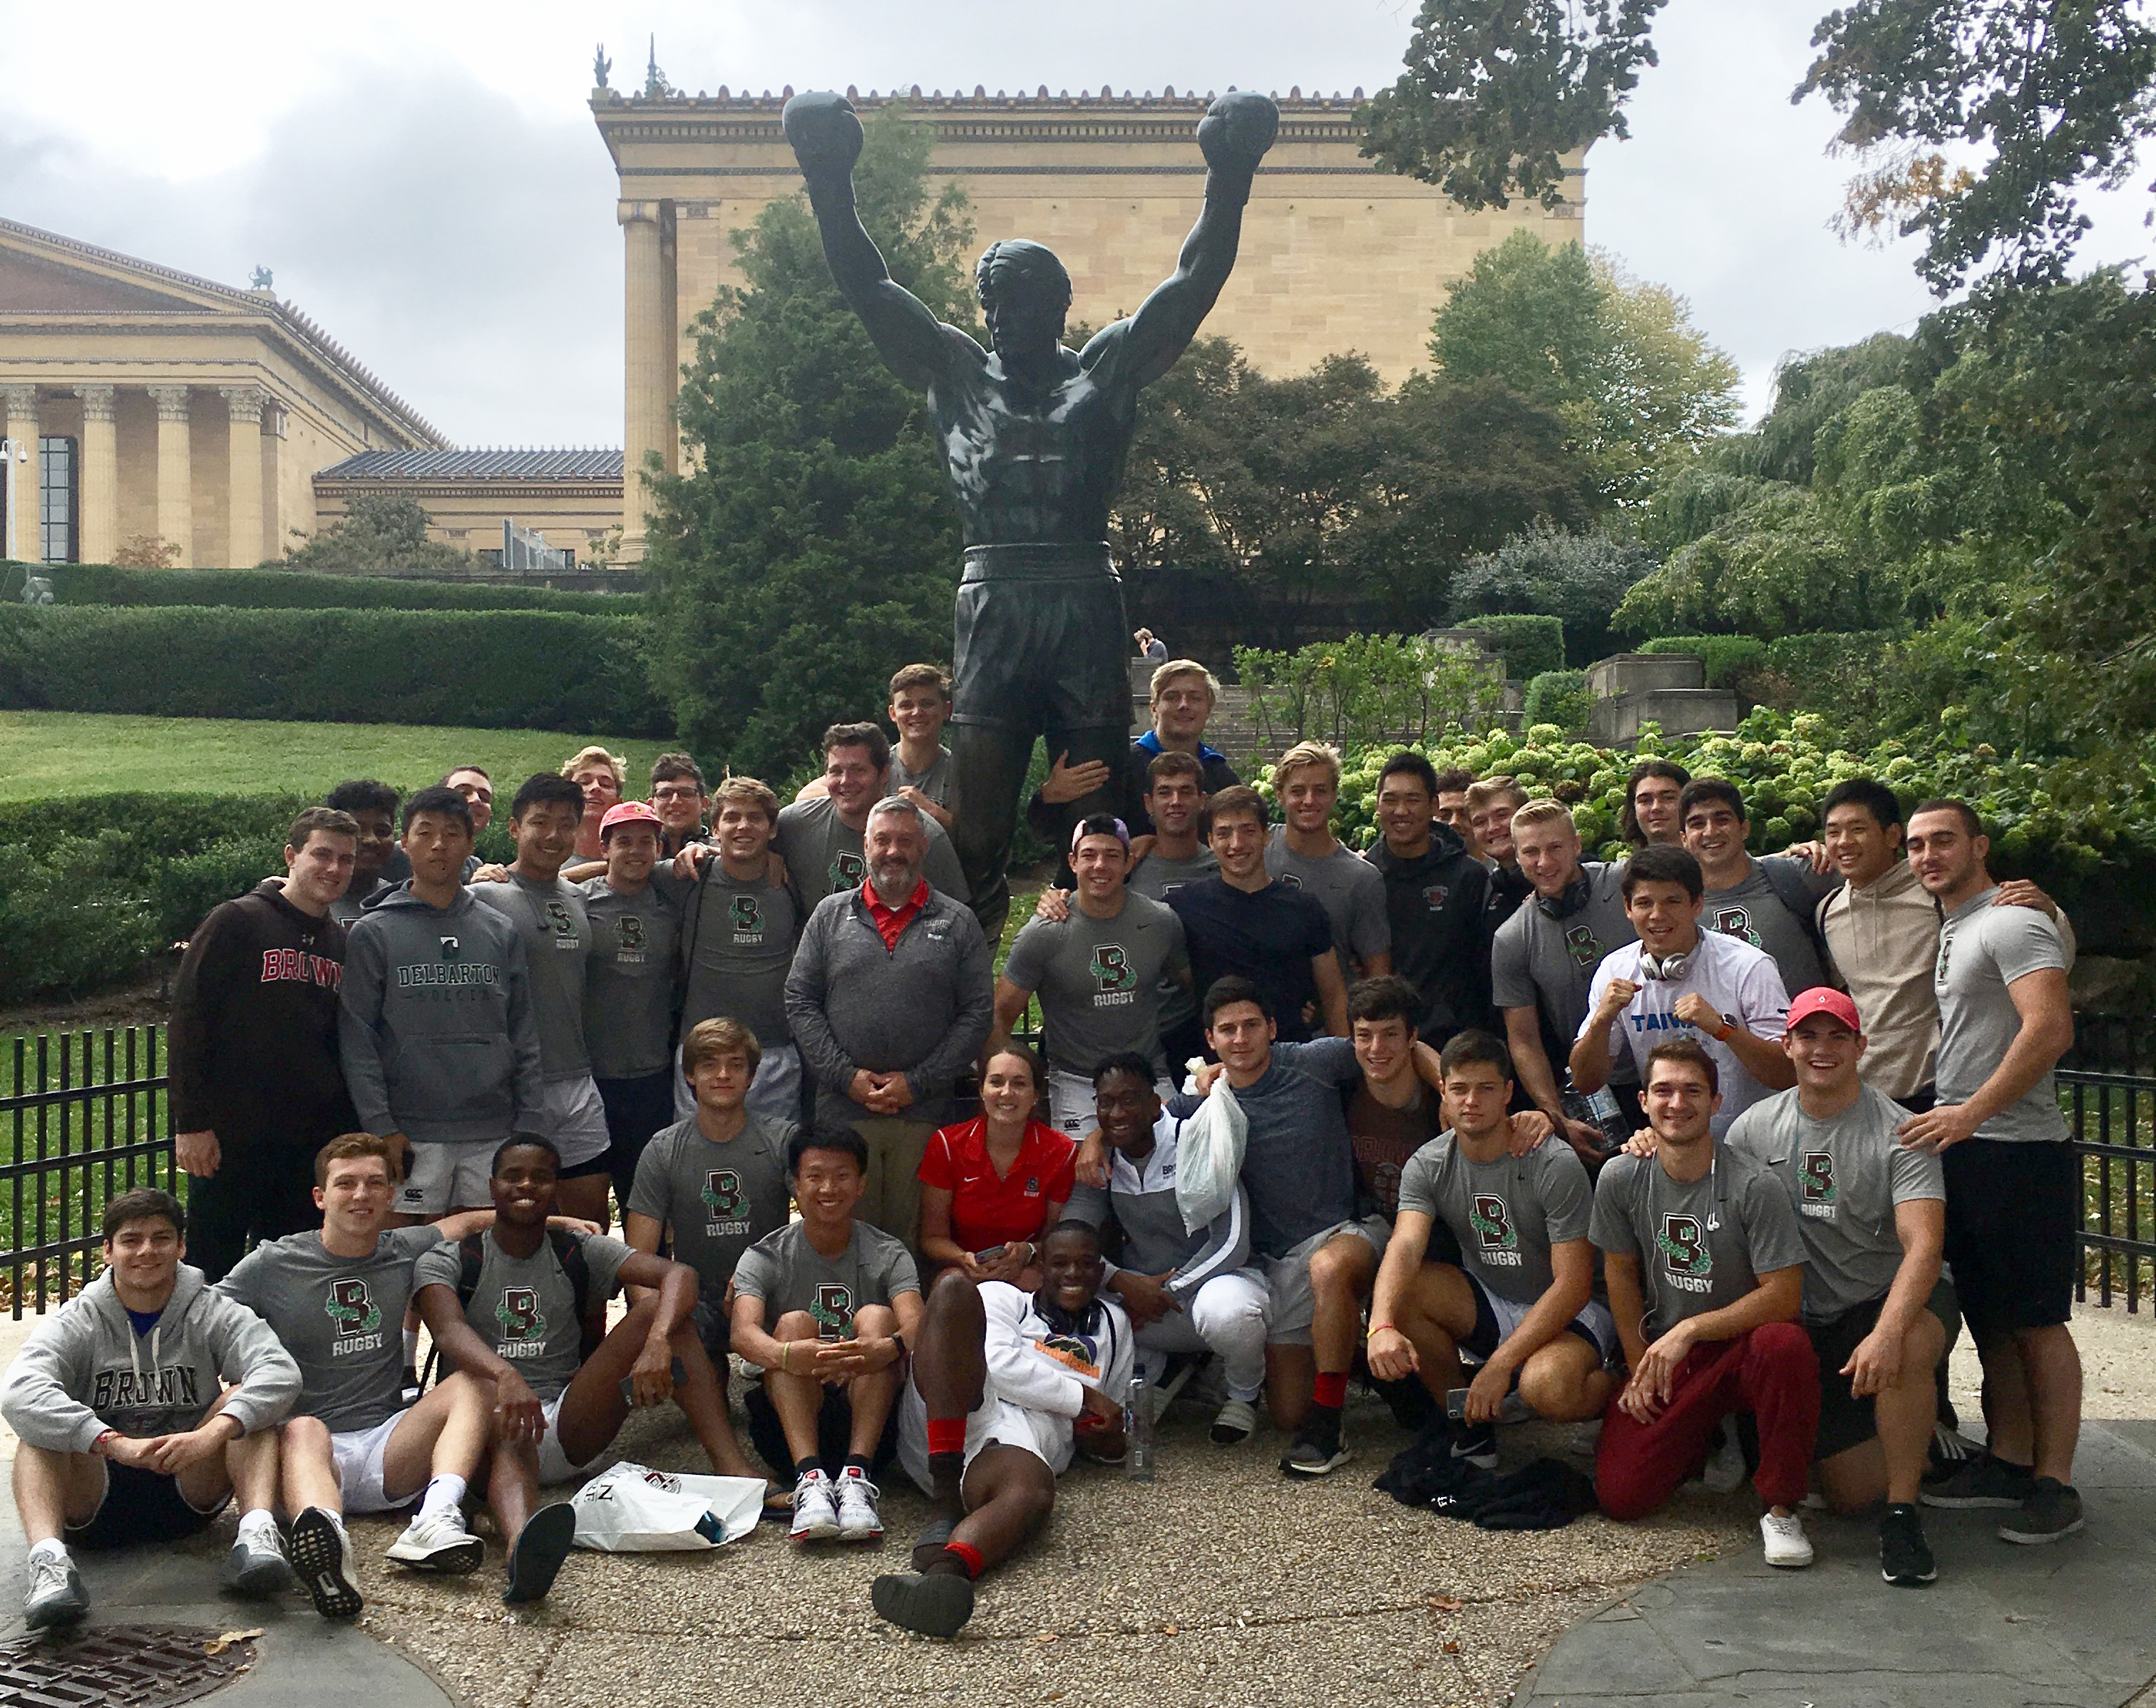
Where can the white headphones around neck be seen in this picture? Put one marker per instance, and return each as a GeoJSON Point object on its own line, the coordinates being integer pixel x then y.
{"type": "Point", "coordinates": [1664, 969]}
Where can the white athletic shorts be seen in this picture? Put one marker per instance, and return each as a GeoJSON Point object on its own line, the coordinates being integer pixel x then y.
{"type": "Point", "coordinates": [554, 1466]}
{"type": "Point", "coordinates": [1594, 1320]}
{"type": "Point", "coordinates": [576, 1120]}
{"type": "Point", "coordinates": [1294, 1305]}
{"type": "Point", "coordinates": [447, 1177]}
{"type": "Point", "coordinates": [1070, 1108]}
{"type": "Point", "coordinates": [359, 1454]}
{"type": "Point", "coordinates": [995, 1422]}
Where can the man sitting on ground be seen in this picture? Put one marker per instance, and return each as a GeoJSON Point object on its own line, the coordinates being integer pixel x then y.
{"type": "Point", "coordinates": [1519, 1300]}
{"type": "Point", "coordinates": [335, 1299]}
{"type": "Point", "coordinates": [1872, 1213]}
{"type": "Point", "coordinates": [1705, 1272]}
{"type": "Point", "coordinates": [512, 1307]}
{"type": "Point", "coordinates": [111, 1452]}
{"type": "Point", "coordinates": [1000, 1379]}
{"type": "Point", "coordinates": [1184, 1292]}
{"type": "Point", "coordinates": [827, 1306]}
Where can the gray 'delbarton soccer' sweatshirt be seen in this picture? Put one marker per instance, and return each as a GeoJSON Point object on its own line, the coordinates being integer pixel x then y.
{"type": "Point", "coordinates": [85, 1370]}
{"type": "Point", "coordinates": [437, 1031]}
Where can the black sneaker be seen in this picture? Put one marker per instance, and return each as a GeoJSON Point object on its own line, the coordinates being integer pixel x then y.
{"type": "Point", "coordinates": [1905, 1558]}
{"type": "Point", "coordinates": [1318, 1448]}
{"type": "Point", "coordinates": [2052, 1509]}
{"type": "Point", "coordinates": [938, 1604]}
{"type": "Point", "coordinates": [1948, 1452]}
{"type": "Point", "coordinates": [1982, 1482]}
{"type": "Point", "coordinates": [1477, 1443]}
{"type": "Point", "coordinates": [541, 1547]}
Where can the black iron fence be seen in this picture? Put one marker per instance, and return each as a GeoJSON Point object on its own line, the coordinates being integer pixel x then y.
{"type": "Point", "coordinates": [84, 1115]}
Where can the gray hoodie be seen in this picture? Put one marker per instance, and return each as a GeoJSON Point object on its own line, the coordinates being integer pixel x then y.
{"type": "Point", "coordinates": [436, 1030]}
{"type": "Point", "coordinates": [85, 1370]}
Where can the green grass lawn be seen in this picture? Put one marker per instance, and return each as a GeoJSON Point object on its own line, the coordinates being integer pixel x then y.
{"type": "Point", "coordinates": [47, 754]}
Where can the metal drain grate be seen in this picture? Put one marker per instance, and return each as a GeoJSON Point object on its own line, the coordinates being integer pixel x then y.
{"type": "Point", "coordinates": [119, 1666]}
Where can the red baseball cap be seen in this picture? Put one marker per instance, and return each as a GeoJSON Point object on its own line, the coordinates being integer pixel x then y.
{"type": "Point", "coordinates": [1819, 999]}
{"type": "Point", "coordinates": [630, 812]}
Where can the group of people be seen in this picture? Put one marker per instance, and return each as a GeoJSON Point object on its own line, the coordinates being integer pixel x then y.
{"type": "Point", "coordinates": [1661, 1148]}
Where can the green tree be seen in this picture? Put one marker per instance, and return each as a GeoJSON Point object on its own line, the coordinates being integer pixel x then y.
{"type": "Point", "coordinates": [1618, 359]}
{"type": "Point", "coordinates": [379, 531]}
{"type": "Point", "coordinates": [814, 547]}
{"type": "Point", "coordinates": [1577, 578]}
{"type": "Point", "coordinates": [2044, 95]}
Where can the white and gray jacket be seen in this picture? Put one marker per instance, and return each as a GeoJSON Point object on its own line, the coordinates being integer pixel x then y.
{"type": "Point", "coordinates": [1141, 1198]}
{"type": "Point", "coordinates": [85, 1370]}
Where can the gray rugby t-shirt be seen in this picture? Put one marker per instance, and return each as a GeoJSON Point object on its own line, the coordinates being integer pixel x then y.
{"type": "Point", "coordinates": [1352, 890]}
{"type": "Point", "coordinates": [1539, 963]}
{"type": "Point", "coordinates": [1154, 878]}
{"type": "Point", "coordinates": [1507, 1214]}
{"type": "Point", "coordinates": [558, 944]}
{"type": "Point", "coordinates": [1099, 980]}
{"type": "Point", "coordinates": [525, 1307]}
{"type": "Point", "coordinates": [722, 1196]}
{"type": "Point", "coordinates": [789, 1273]}
{"type": "Point", "coordinates": [1845, 1175]}
{"type": "Point", "coordinates": [1983, 949]}
{"type": "Point", "coordinates": [739, 937]}
{"type": "Point", "coordinates": [938, 782]}
{"type": "Point", "coordinates": [1702, 1244]}
{"type": "Point", "coordinates": [824, 857]}
{"type": "Point", "coordinates": [1752, 912]}
{"type": "Point", "coordinates": [341, 1318]}
{"type": "Point", "coordinates": [629, 980]}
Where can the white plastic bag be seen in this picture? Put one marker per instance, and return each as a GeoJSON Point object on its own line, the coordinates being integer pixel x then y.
{"type": "Point", "coordinates": [1208, 1157]}
{"type": "Point", "coordinates": [632, 1508]}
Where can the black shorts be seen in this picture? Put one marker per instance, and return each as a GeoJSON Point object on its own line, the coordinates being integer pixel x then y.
{"type": "Point", "coordinates": [2013, 1223]}
{"type": "Point", "coordinates": [1846, 1418]}
{"type": "Point", "coordinates": [601, 1164]}
{"type": "Point", "coordinates": [141, 1506]}
{"type": "Point", "coordinates": [834, 1429]}
{"type": "Point", "coordinates": [1041, 641]}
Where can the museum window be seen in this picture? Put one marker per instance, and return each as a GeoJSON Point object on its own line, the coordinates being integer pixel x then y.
{"type": "Point", "coordinates": [58, 493]}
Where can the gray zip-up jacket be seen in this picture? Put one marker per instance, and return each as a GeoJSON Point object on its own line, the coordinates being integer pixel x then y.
{"type": "Point", "coordinates": [922, 1009]}
{"type": "Point", "coordinates": [85, 1370]}
{"type": "Point", "coordinates": [1141, 1196]}
{"type": "Point", "coordinates": [436, 1029]}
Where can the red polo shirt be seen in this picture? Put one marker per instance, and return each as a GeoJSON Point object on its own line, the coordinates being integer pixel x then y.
{"type": "Point", "coordinates": [988, 1210]}
{"type": "Point", "coordinates": [890, 923]}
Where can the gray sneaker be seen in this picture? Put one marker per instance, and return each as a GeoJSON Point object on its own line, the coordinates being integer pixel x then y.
{"type": "Point", "coordinates": [53, 1595]}
{"type": "Point", "coordinates": [2052, 1509]}
{"type": "Point", "coordinates": [256, 1568]}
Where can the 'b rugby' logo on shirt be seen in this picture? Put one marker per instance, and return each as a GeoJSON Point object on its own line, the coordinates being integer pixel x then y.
{"type": "Point", "coordinates": [1685, 1249]}
{"type": "Point", "coordinates": [1493, 1222]}
{"type": "Point", "coordinates": [746, 914]}
{"type": "Point", "coordinates": [847, 871]}
{"type": "Point", "coordinates": [1112, 968]}
{"type": "Point", "coordinates": [519, 1315]}
{"type": "Point", "coordinates": [351, 1307]}
{"type": "Point", "coordinates": [564, 924]}
{"type": "Point", "coordinates": [629, 928]}
{"type": "Point", "coordinates": [1736, 922]}
{"type": "Point", "coordinates": [1815, 1181]}
{"type": "Point", "coordinates": [833, 1307]}
{"type": "Point", "coordinates": [1579, 943]}
{"type": "Point", "coordinates": [722, 1192]}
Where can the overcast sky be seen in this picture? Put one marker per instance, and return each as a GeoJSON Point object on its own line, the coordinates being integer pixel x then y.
{"type": "Point", "coordinates": [426, 181]}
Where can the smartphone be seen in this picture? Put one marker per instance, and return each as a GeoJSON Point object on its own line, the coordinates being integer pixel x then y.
{"type": "Point", "coordinates": [994, 1254]}
{"type": "Point", "coordinates": [1456, 1403]}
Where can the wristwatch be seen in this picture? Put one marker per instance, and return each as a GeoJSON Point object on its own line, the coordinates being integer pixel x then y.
{"type": "Point", "coordinates": [1728, 1026]}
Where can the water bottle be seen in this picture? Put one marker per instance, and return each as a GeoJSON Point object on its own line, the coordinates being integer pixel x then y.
{"type": "Point", "coordinates": [1600, 1109]}
{"type": "Point", "coordinates": [1138, 1450]}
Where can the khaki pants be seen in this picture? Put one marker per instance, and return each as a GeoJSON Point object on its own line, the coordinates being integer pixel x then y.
{"type": "Point", "coordinates": [892, 1200]}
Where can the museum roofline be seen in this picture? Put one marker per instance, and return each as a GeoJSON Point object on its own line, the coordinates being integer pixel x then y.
{"type": "Point", "coordinates": [312, 341]}
{"type": "Point", "coordinates": [482, 463]}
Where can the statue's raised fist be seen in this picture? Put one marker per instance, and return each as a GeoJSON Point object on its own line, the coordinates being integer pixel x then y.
{"type": "Point", "coordinates": [1237, 129]}
{"type": "Point", "coordinates": [825, 132]}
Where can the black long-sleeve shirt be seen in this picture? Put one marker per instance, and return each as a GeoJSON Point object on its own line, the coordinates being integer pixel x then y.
{"type": "Point", "coordinates": [254, 1038]}
{"type": "Point", "coordinates": [1438, 906]}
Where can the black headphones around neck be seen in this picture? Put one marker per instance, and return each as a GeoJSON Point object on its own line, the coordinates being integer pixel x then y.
{"type": "Point", "coordinates": [1567, 901]}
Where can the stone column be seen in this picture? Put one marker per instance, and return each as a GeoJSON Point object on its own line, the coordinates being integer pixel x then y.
{"type": "Point", "coordinates": [18, 422]}
{"type": "Point", "coordinates": [647, 418]}
{"type": "Point", "coordinates": [100, 496]}
{"type": "Point", "coordinates": [243, 504]}
{"type": "Point", "coordinates": [176, 498]}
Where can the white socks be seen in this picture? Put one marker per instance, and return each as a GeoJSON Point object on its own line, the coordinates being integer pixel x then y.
{"type": "Point", "coordinates": [258, 1526]}
{"type": "Point", "coordinates": [443, 1494]}
{"type": "Point", "coordinates": [51, 1548]}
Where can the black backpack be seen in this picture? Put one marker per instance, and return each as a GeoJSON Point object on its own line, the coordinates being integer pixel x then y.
{"type": "Point", "coordinates": [569, 1252]}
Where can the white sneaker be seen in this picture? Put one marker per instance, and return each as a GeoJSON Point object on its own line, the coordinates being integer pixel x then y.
{"type": "Point", "coordinates": [1785, 1542]}
{"type": "Point", "coordinates": [53, 1594]}
{"type": "Point", "coordinates": [858, 1519]}
{"type": "Point", "coordinates": [1234, 1422]}
{"type": "Point", "coordinates": [439, 1543]}
{"type": "Point", "coordinates": [815, 1508]}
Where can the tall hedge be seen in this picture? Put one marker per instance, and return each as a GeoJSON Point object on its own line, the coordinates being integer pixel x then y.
{"type": "Point", "coordinates": [293, 589]}
{"type": "Point", "coordinates": [1529, 645]}
{"type": "Point", "coordinates": [1724, 655]}
{"type": "Point", "coordinates": [490, 669]}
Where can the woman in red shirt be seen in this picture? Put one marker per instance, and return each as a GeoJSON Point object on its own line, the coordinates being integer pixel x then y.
{"type": "Point", "coordinates": [993, 1186]}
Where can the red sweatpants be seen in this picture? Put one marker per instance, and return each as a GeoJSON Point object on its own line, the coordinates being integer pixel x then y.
{"type": "Point", "coordinates": [1771, 1372]}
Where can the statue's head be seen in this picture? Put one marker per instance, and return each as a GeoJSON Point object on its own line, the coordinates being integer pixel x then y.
{"type": "Point", "coordinates": [1025, 294]}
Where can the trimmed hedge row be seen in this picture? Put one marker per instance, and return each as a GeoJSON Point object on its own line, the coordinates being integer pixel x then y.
{"type": "Point", "coordinates": [297, 589]}
{"type": "Point", "coordinates": [489, 669]}
{"type": "Point", "coordinates": [1529, 645]}
{"type": "Point", "coordinates": [1724, 655]}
